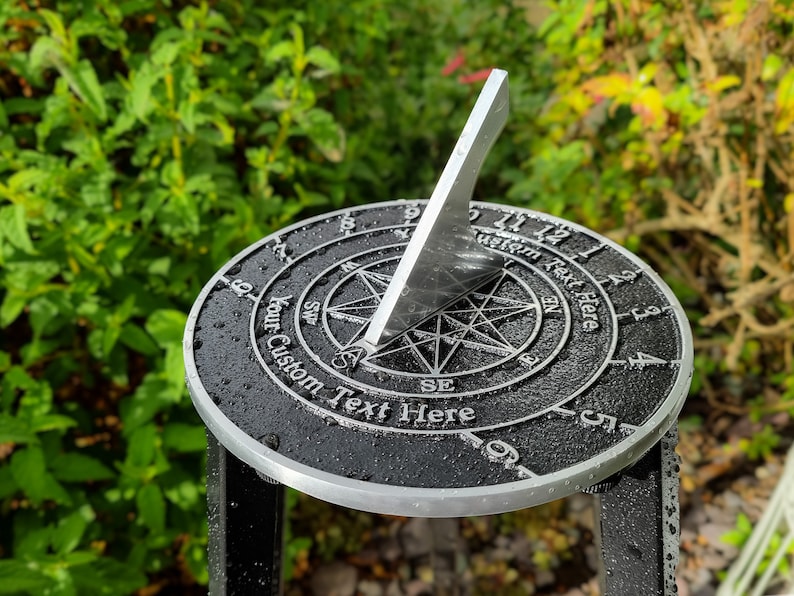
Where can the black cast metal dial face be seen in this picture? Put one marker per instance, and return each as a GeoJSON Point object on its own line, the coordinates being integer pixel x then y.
{"type": "Point", "coordinates": [558, 372]}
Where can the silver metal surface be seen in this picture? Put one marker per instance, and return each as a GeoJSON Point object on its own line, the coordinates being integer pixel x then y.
{"type": "Point", "coordinates": [443, 261]}
{"type": "Point", "coordinates": [559, 372]}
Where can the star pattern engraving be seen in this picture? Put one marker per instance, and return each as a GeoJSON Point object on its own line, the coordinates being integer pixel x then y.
{"type": "Point", "coordinates": [434, 346]}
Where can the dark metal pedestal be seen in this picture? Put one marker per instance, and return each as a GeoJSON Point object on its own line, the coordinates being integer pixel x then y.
{"type": "Point", "coordinates": [638, 527]}
{"type": "Point", "coordinates": [245, 526]}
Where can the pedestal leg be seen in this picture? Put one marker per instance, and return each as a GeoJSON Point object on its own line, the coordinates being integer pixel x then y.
{"type": "Point", "coordinates": [639, 527]}
{"type": "Point", "coordinates": [245, 522]}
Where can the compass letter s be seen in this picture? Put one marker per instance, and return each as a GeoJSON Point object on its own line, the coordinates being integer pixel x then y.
{"type": "Point", "coordinates": [347, 359]}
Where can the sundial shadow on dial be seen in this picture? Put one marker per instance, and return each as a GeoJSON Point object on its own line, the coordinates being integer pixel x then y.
{"type": "Point", "coordinates": [484, 327]}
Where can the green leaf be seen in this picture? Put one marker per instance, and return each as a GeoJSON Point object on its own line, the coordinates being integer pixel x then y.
{"type": "Point", "coordinates": [282, 49]}
{"type": "Point", "coordinates": [29, 275]}
{"type": "Point", "coordinates": [136, 338]}
{"type": "Point", "coordinates": [174, 372]}
{"type": "Point", "coordinates": [55, 23]}
{"type": "Point", "coordinates": [14, 228]}
{"type": "Point", "coordinates": [149, 399]}
{"type": "Point", "coordinates": [109, 337]}
{"type": "Point", "coordinates": [772, 64]}
{"type": "Point", "coordinates": [17, 576]}
{"type": "Point", "coordinates": [108, 576]}
{"type": "Point", "coordinates": [167, 52]}
{"type": "Point", "coordinates": [166, 326]}
{"type": "Point", "coordinates": [142, 446]}
{"type": "Point", "coordinates": [45, 422]}
{"type": "Point", "coordinates": [46, 309]}
{"type": "Point", "coordinates": [29, 469]}
{"type": "Point", "coordinates": [8, 485]}
{"type": "Point", "coordinates": [77, 467]}
{"type": "Point", "coordinates": [85, 84]}
{"type": "Point", "coordinates": [151, 507]}
{"type": "Point", "coordinates": [322, 58]}
{"type": "Point", "coordinates": [45, 53]}
{"type": "Point", "coordinates": [14, 430]}
{"type": "Point", "coordinates": [325, 133]}
{"type": "Point", "coordinates": [12, 307]}
{"type": "Point", "coordinates": [66, 535]}
{"type": "Point", "coordinates": [140, 96]}
{"type": "Point", "coordinates": [184, 438]}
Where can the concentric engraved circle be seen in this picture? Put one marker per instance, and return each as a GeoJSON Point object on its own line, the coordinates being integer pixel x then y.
{"type": "Point", "coordinates": [554, 374]}
{"type": "Point", "coordinates": [503, 311]}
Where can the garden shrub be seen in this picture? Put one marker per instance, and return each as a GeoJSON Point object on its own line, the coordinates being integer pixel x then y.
{"type": "Point", "coordinates": [144, 142]}
{"type": "Point", "coordinates": [670, 128]}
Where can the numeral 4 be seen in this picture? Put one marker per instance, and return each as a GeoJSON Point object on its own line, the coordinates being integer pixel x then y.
{"type": "Point", "coordinates": [642, 360]}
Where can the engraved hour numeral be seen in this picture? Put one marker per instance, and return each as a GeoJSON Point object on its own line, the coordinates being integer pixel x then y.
{"type": "Point", "coordinates": [506, 454]}
{"type": "Point", "coordinates": [644, 313]}
{"type": "Point", "coordinates": [240, 287]}
{"type": "Point", "coordinates": [411, 213]}
{"type": "Point", "coordinates": [640, 313]}
{"type": "Point", "coordinates": [625, 276]}
{"type": "Point", "coordinates": [347, 225]}
{"type": "Point", "coordinates": [552, 235]}
{"type": "Point", "coordinates": [501, 452]}
{"type": "Point", "coordinates": [641, 360]}
{"type": "Point", "coordinates": [507, 223]}
{"type": "Point", "coordinates": [586, 254]}
{"type": "Point", "coordinates": [597, 419]}
{"type": "Point", "coordinates": [281, 250]}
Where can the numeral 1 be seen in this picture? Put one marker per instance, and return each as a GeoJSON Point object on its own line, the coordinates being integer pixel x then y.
{"type": "Point", "coordinates": [586, 254]}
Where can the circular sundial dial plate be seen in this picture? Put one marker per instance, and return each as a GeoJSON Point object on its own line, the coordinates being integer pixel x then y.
{"type": "Point", "coordinates": [557, 373]}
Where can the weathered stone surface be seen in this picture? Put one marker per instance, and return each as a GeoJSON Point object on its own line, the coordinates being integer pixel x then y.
{"type": "Point", "coordinates": [335, 579]}
{"type": "Point", "coordinates": [416, 537]}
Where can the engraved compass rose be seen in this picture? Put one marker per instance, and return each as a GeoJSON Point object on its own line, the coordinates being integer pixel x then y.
{"type": "Point", "coordinates": [488, 320]}
{"type": "Point", "coordinates": [441, 357]}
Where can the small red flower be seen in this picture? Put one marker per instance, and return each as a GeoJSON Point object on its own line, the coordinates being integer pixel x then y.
{"type": "Point", "coordinates": [473, 77]}
{"type": "Point", "coordinates": [457, 61]}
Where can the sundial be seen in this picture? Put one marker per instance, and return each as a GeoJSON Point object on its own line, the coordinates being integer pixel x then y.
{"type": "Point", "coordinates": [438, 358]}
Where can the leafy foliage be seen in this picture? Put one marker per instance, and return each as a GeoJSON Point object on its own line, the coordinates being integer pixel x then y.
{"type": "Point", "coordinates": [146, 141]}
{"type": "Point", "coordinates": [144, 144]}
